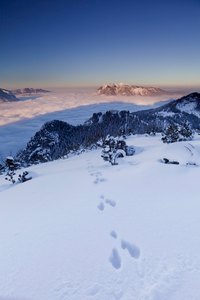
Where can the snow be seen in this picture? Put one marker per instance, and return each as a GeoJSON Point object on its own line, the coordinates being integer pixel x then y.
{"type": "Point", "coordinates": [165, 114]}
{"type": "Point", "coordinates": [56, 243]}
{"type": "Point", "coordinates": [189, 108]}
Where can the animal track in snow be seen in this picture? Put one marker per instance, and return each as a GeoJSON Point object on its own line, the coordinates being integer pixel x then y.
{"type": "Point", "coordinates": [113, 234]}
{"type": "Point", "coordinates": [110, 202]}
{"type": "Point", "coordinates": [115, 259]}
{"type": "Point", "coordinates": [97, 180]}
{"type": "Point", "coordinates": [96, 174]}
{"type": "Point", "coordinates": [101, 206]}
{"type": "Point", "coordinates": [133, 250]}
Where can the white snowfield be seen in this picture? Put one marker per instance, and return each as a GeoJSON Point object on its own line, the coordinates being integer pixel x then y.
{"type": "Point", "coordinates": [82, 229]}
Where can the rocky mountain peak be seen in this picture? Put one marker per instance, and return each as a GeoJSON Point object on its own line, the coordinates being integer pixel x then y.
{"type": "Point", "coordinates": [122, 89]}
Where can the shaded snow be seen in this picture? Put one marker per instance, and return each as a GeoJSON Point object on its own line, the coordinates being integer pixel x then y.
{"type": "Point", "coordinates": [189, 108]}
{"type": "Point", "coordinates": [55, 243]}
{"type": "Point", "coordinates": [165, 114]}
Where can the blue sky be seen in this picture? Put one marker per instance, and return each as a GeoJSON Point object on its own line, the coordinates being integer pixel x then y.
{"type": "Point", "coordinates": [46, 43]}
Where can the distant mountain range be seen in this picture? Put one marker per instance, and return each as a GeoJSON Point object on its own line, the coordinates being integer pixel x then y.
{"type": "Point", "coordinates": [11, 95]}
{"type": "Point", "coordinates": [129, 90]}
{"type": "Point", "coordinates": [57, 138]}
{"type": "Point", "coordinates": [28, 91]}
{"type": "Point", "coordinates": [6, 96]}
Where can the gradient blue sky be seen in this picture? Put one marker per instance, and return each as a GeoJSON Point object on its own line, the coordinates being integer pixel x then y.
{"type": "Point", "coordinates": [46, 43]}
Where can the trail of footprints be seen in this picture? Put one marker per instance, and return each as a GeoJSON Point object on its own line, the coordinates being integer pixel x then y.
{"type": "Point", "coordinates": [132, 250]}
{"type": "Point", "coordinates": [104, 202]}
{"type": "Point", "coordinates": [98, 175]}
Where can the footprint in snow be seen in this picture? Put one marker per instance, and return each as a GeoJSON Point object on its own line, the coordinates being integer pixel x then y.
{"type": "Point", "coordinates": [95, 174]}
{"type": "Point", "coordinates": [101, 206]}
{"type": "Point", "coordinates": [98, 180]}
{"type": "Point", "coordinates": [111, 202]}
{"type": "Point", "coordinates": [115, 259]}
{"type": "Point", "coordinates": [113, 234]}
{"type": "Point", "coordinates": [133, 250]}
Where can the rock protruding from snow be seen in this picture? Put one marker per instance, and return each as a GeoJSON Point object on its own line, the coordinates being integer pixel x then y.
{"type": "Point", "coordinates": [129, 90]}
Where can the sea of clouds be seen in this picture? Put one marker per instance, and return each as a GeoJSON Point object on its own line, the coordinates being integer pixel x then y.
{"type": "Point", "coordinates": [20, 120]}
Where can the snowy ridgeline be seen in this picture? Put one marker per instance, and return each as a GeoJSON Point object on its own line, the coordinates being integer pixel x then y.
{"type": "Point", "coordinates": [34, 113]}
{"type": "Point", "coordinates": [56, 139]}
{"type": "Point", "coordinates": [84, 229]}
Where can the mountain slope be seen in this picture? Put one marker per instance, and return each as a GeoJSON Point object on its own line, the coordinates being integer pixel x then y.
{"type": "Point", "coordinates": [83, 229]}
{"type": "Point", "coordinates": [6, 96]}
{"type": "Point", "coordinates": [57, 139]}
{"type": "Point", "coordinates": [129, 90]}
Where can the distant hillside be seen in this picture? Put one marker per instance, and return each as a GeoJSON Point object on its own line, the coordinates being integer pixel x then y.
{"type": "Point", "coordinates": [28, 91]}
{"type": "Point", "coordinates": [6, 96]}
{"type": "Point", "coordinates": [58, 138]}
{"type": "Point", "coordinates": [129, 90]}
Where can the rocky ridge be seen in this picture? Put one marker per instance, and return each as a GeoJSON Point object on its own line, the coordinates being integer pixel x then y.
{"type": "Point", "coordinates": [129, 90]}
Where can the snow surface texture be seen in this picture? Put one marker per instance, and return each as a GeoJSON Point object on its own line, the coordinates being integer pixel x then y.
{"type": "Point", "coordinates": [20, 120]}
{"type": "Point", "coordinates": [83, 229]}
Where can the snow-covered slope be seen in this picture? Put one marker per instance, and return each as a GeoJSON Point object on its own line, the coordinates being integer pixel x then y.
{"type": "Point", "coordinates": [129, 90]}
{"type": "Point", "coordinates": [83, 229]}
{"type": "Point", "coordinates": [189, 104]}
{"type": "Point", "coordinates": [6, 96]}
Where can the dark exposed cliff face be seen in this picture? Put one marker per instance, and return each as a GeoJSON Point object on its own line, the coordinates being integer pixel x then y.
{"type": "Point", "coordinates": [58, 138]}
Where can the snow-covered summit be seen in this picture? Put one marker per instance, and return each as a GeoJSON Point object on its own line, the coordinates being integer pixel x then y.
{"type": "Point", "coordinates": [129, 90]}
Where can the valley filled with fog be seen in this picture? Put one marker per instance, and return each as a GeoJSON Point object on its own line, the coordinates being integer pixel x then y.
{"type": "Point", "coordinates": [19, 120]}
